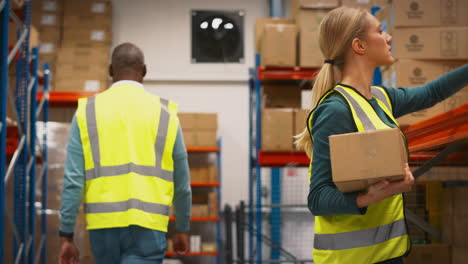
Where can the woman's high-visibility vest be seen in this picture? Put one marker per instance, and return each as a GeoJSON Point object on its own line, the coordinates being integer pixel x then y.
{"type": "Point", "coordinates": [381, 233]}
{"type": "Point", "coordinates": [128, 136]}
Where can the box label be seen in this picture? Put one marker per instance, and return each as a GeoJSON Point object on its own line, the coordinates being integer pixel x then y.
{"type": "Point", "coordinates": [98, 8]}
{"type": "Point", "coordinates": [414, 45]}
{"type": "Point", "coordinates": [448, 11]}
{"type": "Point", "coordinates": [448, 40]}
{"type": "Point", "coordinates": [92, 85]}
{"type": "Point", "coordinates": [46, 48]}
{"type": "Point", "coordinates": [49, 6]}
{"type": "Point", "coordinates": [414, 12]}
{"type": "Point", "coordinates": [98, 35]}
{"type": "Point", "coordinates": [49, 20]}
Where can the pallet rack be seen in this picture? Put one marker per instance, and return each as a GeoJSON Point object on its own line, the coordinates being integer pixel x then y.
{"type": "Point", "coordinates": [28, 153]}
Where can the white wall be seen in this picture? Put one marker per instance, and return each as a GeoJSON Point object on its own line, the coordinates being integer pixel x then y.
{"type": "Point", "coordinates": [161, 28]}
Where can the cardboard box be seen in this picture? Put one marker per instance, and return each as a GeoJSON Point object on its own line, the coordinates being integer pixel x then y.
{"type": "Point", "coordinates": [209, 247]}
{"type": "Point", "coordinates": [198, 121]}
{"type": "Point", "coordinates": [297, 5]}
{"type": "Point", "coordinates": [53, 6]}
{"type": "Point", "coordinates": [90, 85]}
{"type": "Point", "coordinates": [213, 174]}
{"type": "Point", "coordinates": [377, 155]}
{"type": "Point", "coordinates": [86, 55]}
{"type": "Point", "coordinates": [366, 4]}
{"type": "Point", "coordinates": [277, 129]}
{"type": "Point", "coordinates": [46, 20]}
{"type": "Point", "coordinates": [82, 71]}
{"type": "Point", "coordinates": [308, 21]}
{"type": "Point", "coordinates": [300, 120]}
{"type": "Point", "coordinates": [430, 13]}
{"type": "Point", "coordinates": [87, 21]}
{"type": "Point", "coordinates": [278, 96]}
{"type": "Point", "coordinates": [411, 73]}
{"type": "Point", "coordinates": [200, 138]}
{"type": "Point", "coordinates": [278, 45]}
{"type": "Point", "coordinates": [459, 255]}
{"type": "Point", "coordinates": [429, 254]}
{"type": "Point", "coordinates": [431, 43]}
{"type": "Point", "coordinates": [88, 7]}
{"type": "Point", "coordinates": [74, 37]}
{"type": "Point", "coordinates": [260, 26]}
{"type": "Point", "coordinates": [213, 204]}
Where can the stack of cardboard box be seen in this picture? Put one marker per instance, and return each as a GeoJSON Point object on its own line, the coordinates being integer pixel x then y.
{"type": "Point", "coordinates": [430, 38]}
{"type": "Point", "coordinates": [83, 58]}
{"type": "Point", "coordinates": [47, 16]}
{"type": "Point", "coordinates": [199, 129]}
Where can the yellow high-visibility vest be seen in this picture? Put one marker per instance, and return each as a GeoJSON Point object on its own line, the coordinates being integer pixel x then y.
{"type": "Point", "coordinates": [381, 233]}
{"type": "Point", "coordinates": [128, 136]}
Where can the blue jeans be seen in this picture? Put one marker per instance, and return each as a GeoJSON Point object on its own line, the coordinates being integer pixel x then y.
{"type": "Point", "coordinates": [125, 245]}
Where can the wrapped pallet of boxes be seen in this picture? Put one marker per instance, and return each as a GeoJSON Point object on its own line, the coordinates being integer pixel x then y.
{"type": "Point", "coordinates": [199, 129]}
{"type": "Point", "coordinates": [377, 155]}
{"type": "Point", "coordinates": [278, 45]}
{"type": "Point", "coordinates": [83, 59]}
{"type": "Point", "coordinates": [308, 14]}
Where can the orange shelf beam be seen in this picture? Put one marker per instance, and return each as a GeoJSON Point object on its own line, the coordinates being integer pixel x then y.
{"type": "Point", "coordinates": [202, 149]}
{"type": "Point", "coordinates": [438, 131]}
{"type": "Point", "coordinates": [66, 98]}
{"type": "Point", "coordinates": [204, 184]}
{"type": "Point", "coordinates": [173, 254]}
{"type": "Point", "coordinates": [286, 73]}
{"type": "Point", "coordinates": [199, 219]}
{"type": "Point", "coordinates": [279, 159]}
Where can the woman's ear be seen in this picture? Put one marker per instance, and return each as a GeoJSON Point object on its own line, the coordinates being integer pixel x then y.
{"type": "Point", "coordinates": [358, 46]}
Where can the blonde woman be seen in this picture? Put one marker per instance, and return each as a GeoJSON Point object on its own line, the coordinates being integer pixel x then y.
{"type": "Point", "coordinates": [361, 227]}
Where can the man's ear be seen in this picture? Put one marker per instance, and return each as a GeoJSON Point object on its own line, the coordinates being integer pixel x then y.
{"type": "Point", "coordinates": [144, 70]}
{"type": "Point", "coordinates": [359, 46]}
{"type": "Point", "coordinates": [110, 71]}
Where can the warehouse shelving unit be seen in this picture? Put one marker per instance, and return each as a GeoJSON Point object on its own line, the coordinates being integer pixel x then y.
{"type": "Point", "coordinates": [275, 160]}
{"type": "Point", "coordinates": [216, 219]}
{"type": "Point", "coordinates": [20, 145]}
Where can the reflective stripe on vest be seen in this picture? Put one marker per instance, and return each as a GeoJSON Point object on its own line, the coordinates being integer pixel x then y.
{"type": "Point", "coordinates": [112, 207]}
{"type": "Point", "coordinates": [103, 171]}
{"type": "Point", "coordinates": [360, 238]}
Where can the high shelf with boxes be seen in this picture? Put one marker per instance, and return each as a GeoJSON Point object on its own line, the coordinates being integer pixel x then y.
{"type": "Point", "coordinates": [23, 150]}
{"type": "Point", "coordinates": [204, 155]}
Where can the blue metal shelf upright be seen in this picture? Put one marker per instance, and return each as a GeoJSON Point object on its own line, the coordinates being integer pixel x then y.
{"type": "Point", "coordinates": [23, 156]}
{"type": "Point", "coordinates": [274, 160]}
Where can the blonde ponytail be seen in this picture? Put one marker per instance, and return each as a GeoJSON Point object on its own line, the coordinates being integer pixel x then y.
{"type": "Point", "coordinates": [336, 32]}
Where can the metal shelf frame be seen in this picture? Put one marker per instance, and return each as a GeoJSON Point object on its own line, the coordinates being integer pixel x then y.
{"type": "Point", "coordinates": [22, 166]}
{"type": "Point", "coordinates": [274, 160]}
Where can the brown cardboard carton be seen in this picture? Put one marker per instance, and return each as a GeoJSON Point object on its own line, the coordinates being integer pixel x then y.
{"type": "Point", "coordinates": [47, 20]}
{"type": "Point", "coordinates": [411, 73]}
{"type": "Point", "coordinates": [200, 138]}
{"type": "Point", "coordinates": [90, 85]}
{"type": "Point", "coordinates": [84, 55]}
{"type": "Point", "coordinates": [278, 45]}
{"type": "Point", "coordinates": [377, 155]}
{"type": "Point", "coordinates": [298, 5]}
{"type": "Point", "coordinates": [87, 21]}
{"type": "Point", "coordinates": [212, 204]}
{"type": "Point", "coordinates": [88, 7]}
{"type": "Point", "coordinates": [82, 71]}
{"type": "Point", "coordinates": [278, 96]}
{"type": "Point", "coordinates": [459, 254]}
{"type": "Point", "coordinates": [277, 129]}
{"type": "Point", "coordinates": [55, 6]}
{"type": "Point", "coordinates": [198, 121]}
{"type": "Point", "coordinates": [95, 35]}
{"type": "Point", "coordinates": [213, 174]}
{"type": "Point", "coordinates": [430, 13]}
{"type": "Point", "coordinates": [308, 21]}
{"type": "Point", "coordinates": [260, 26]}
{"type": "Point", "coordinates": [366, 4]}
{"type": "Point", "coordinates": [300, 120]}
{"type": "Point", "coordinates": [429, 254]}
{"type": "Point", "coordinates": [431, 43]}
